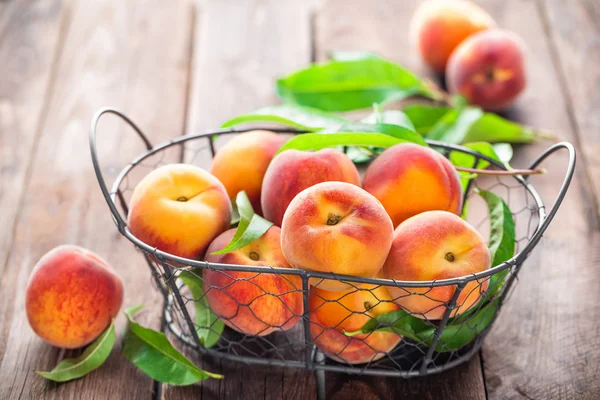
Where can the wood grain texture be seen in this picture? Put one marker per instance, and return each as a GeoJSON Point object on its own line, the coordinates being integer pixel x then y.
{"type": "Point", "coordinates": [114, 53]}
{"type": "Point", "coordinates": [382, 27]}
{"type": "Point", "coordinates": [30, 37]}
{"type": "Point", "coordinates": [574, 34]}
{"type": "Point", "coordinates": [239, 49]}
{"type": "Point", "coordinates": [545, 343]}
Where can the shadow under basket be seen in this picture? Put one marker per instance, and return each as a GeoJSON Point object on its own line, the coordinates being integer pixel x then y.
{"type": "Point", "coordinates": [441, 344]}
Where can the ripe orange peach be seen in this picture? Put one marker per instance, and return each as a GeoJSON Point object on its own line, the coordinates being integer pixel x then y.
{"type": "Point", "coordinates": [409, 179]}
{"type": "Point", "coordinates": [71, 297]}
{"type": "Point", "coordinates": [333, 313]}
{"type": "Point", "coordinates": [248, 302]}
{"type": "Point", "coordinates": [439, 26]}
{"type": "Point", "coordinates": [336, 227]}
{"type": "Point", "coordinates": [488, 69]}
{"type": "Point", "coordinates": [241, 164]}
{"type": "Point", "coordinates": [436, 245]}
{"type": "Point", "coordinates": [179, 209]}
{"type": "Point", "coordinates": [293, 171]}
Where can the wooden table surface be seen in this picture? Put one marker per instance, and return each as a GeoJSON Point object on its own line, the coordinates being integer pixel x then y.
{"type": "Point", "coordinates": [180, 66]}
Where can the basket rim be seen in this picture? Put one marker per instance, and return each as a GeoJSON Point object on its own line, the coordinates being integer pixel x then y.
{"type": "Point", "coordinates": [462, 280]}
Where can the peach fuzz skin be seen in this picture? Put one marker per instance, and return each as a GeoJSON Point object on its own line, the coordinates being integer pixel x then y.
{"type": "Point", "coordinates": [240, 299]}
{"type": "Point", "coordinates": [336, 227]}
{"type": "Point", "coordinates": [439, 26]}
{"type": "Point", "coordinates": [292, 171]}
{"type": "Point", "coordinates": [436, 245]}
{"type": "Point", "coordinates": [179, 209]}
{"type": "Point", "coordinates": [71, 297]}
{"type": "Point", "coordinates": [409, 179]}
{"type": "Point", "coordinates": [488, 69]}
{"type": "Point", "coordinates": [333, 313]}
{"type": "Point", "coordinates": [241, 164]}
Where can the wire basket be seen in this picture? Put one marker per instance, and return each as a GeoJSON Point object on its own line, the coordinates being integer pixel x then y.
{"type": "Point", "coordinates": [300, 341]}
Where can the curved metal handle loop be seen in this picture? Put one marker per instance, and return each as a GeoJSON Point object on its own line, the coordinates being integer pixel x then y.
{"type": "Point", "coordinates": [561, 193]}
{"type": "Point", "coordinates": [117, 218]}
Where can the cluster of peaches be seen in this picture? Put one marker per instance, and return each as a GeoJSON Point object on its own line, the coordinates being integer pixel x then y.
{"type": "Point", "coordinates": [481, 62]}
{"type": "Point", "coordinates": [401, 223]}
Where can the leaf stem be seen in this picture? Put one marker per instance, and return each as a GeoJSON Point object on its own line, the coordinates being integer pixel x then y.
{"type": "Point", "coordinates": [502, 172]}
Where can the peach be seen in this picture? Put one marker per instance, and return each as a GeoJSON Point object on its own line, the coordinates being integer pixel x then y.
{"type": "Point", "coordinates": [336, 227]}
{"type": "Point", "coordinates": [436, 245]}
{"type": "Point", "coordinates": [409, 179]}
{"type": "Point", "coordinates": [71, 297]}
{"type": "Point", "coordinates": [293, 171]}
{"type": "Point", "coordinates": [248, 302]}
{"type": "Point", "coordinates": [439, 26]}
{"type": "Point", "coordinates": [241, 164]}
{"type": "Point", "coordinates": [488, 69]}
{"type": "Point", "coordinates": [333, 313]}
{"type": "Point", "coordinates": [179, 209]}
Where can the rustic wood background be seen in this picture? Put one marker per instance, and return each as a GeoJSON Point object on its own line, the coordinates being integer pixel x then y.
{"type": "Point", "coordinates": [181, 66]}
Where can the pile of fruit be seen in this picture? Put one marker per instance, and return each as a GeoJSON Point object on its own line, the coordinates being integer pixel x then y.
{"type": "Point", "coordinates": [402, 223]}
{"type": "Point", "coordinates": [302, 204]}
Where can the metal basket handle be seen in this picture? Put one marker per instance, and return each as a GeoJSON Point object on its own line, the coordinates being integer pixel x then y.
{"type": "Point", "coordinates": [110, 200]}
{"type": "Point", "coordinates": [549, 215]}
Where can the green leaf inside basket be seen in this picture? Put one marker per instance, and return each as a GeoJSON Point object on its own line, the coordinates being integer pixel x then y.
{"type": "Point", "coordinates": [93, 357]}
{"type": "Point", "coordinates": [154, 355]}
{"type": "Point", "coordinates": [208, 326]}
{"type": "Point", "coordinates": [251, 225]}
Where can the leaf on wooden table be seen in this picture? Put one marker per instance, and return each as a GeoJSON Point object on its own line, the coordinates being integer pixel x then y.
{"type": "Point", "coordinates": [208, 326]}
{"type": "Point", "coordinates": [349, 85]}
{"type": "Point", "coordinates": [154, 355]}
{"type": "Point", "coordinates": [251, 225]}
{"type": "Point", "coordinates": [92, 357]}
{"type": "Point", "coordinates": [299, 117]}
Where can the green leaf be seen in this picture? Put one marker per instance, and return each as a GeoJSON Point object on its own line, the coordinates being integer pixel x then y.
{"type": "Point", "coordinates": [390, 117]}
{"type": "Point", "coordinates": [152, 353]}
{"type": "Point", "coordinates": [303, 118]}
{"type": "Point", "coordinates": [493, 128]}
{"type": "Point", "coordinates": [460, 159]}
{"type": "Point", "coordinates": [360, 155]}
{"type": "Point", "coordinates": [396, 131]}
{"type": "Point", "coordinates": [337, 55]}
{"type": "Point", "coordinates": [454, 126]}
{"type": "Point", "coordinates": [208, 327]}
{"type": "Point", "coordinates": [502, 237]}
{"type": "Point", "coordinates": [251, 225]}
{"type": "Point", "coordinates": [349, 85]}
{"type": "Point", "coordinates": [93, 357]}
{"type": "Point", "coordinates": [504, 151]}
{"type": "Point", "coordinates": [317, 141]}
{"type": "Point", "coordinates": [424, 117]}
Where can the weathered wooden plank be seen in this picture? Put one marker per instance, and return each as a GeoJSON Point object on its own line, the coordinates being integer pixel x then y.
{"type": "Point", "coordinates": [545, 344]}
{"type": "Point", "coordinates": [574, 34]}
{"type": "Point", "coordinates": [29, 37]}
{"type": "Point", "coordinates": [240, 47]}
{"type": "Point", "coordinates": [382, 27]}
{"type": "Point", "coordinates": [117, 53]}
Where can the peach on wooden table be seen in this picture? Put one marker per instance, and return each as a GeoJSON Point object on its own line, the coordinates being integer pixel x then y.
{"type": "Point", "coordinates": [488, 69]}
{"type": "Point", "coordinates": [409, 179]}
{"type": "Point", "coordinates": [179, 209]}
{"type": "Point", "coordinates": [439, 26]}
{"type": "Point", "coordinates": [436, 245]}
{"type": "Point", "coordinates": [336, 227]}
{"type": "Point", "coordinates": [71, 297]}
{"type": "Point", "coordinates": [292, 171]}
{"type": "Point", "coordinates": [249, 302]}
{"type": "Point", "coordinates": [333, 313]}
{"type": "Point", "coordinates": [241, 164]}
